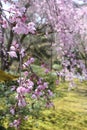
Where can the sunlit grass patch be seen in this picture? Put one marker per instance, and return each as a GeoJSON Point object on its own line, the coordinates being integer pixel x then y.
{"type": "Point", "coordinates": [69, 113]}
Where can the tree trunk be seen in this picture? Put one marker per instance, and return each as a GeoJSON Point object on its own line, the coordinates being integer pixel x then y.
{"type": "Point", "coordinates": [1, 39]}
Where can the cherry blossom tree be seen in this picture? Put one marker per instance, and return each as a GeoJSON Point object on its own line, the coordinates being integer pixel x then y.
{"type": "Point", "coordinates": [66, 23]}
{"type": "Point", "coordinates": [29, 85]}
{"type": "Point", "coordinates": [69, 25]}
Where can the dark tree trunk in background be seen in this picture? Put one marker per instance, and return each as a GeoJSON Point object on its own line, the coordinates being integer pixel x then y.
{"type": "Point", "coordinates": [1, 39]}
{"type": "Point", "coordinates": [51, 56]}
{"type": "Point", "coordinates": [3, 51]}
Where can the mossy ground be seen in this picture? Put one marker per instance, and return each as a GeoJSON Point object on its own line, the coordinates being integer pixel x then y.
{"type": "Point", "coordinates": [6, 76]}
{"type": "Point", "coordinates": [69, 113]}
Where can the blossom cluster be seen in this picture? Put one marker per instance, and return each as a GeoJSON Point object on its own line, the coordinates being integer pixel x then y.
{"type": "Point", "coordinates": [31, 87]}
{"type": "Point", "coordinates": [17, 20]}
{"type": "Point", "coordinates": [33, 90]}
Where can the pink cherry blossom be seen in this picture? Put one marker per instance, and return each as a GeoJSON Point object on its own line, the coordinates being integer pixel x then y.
{"type": "Point", "coordinates": [34, 96]}
{"type": "Point", "coordinates": [12, 111]}
{"type": "Point", "coordinates": [22, 52]}
{"type": "Point", "coordinates": [12, 54]}
{"type": "Point", "coordinates": [15, 123]}
{"type": "Point", "coordinates": [50, 92]}
{"type": "Point", "coordinates": [22, 102]}
{"type": "Point", "coordinates": [31, 27]}
{"type": "Point", "coordinates": [21, 90]}
{"type": "Point", "coordinates": [26, 73]}
{"type": "Point", "coordinates": [20, 28]}
{"type": "Point", "coordinates": [12, 48]}
{"type": "Point", "coordinates": [5, 24]}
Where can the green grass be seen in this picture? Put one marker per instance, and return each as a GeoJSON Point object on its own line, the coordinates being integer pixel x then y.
{"type": "Point", "coordinates": [69, 113]}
